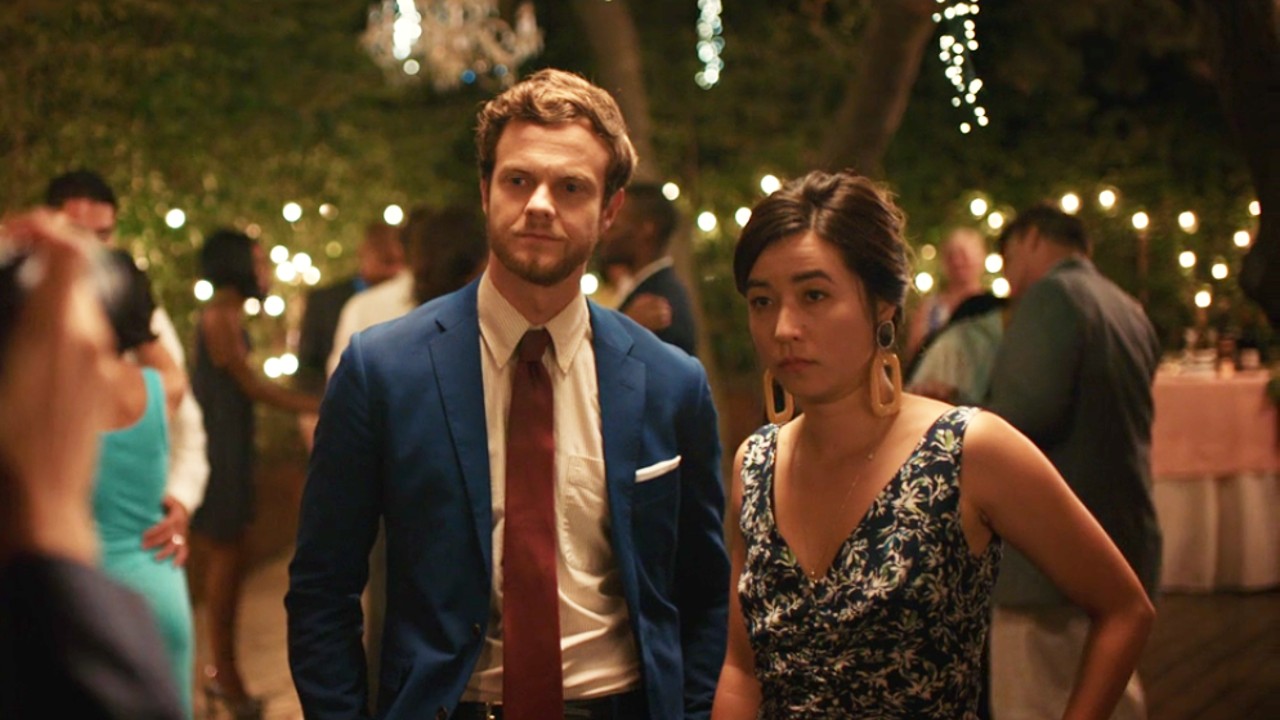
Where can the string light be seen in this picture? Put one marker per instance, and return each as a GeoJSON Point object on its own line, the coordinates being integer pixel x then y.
{"type": "Point", "coordinates": [1187, 259]}
{"type": "Point", "coordinates": [1219, 270]}
{"type": "Point", "coordinates": [924, 282]}
{"type": "Point", "coordinates": [710, 44]}
{"type": "Point", "coordinates": [1000, 287]}
{"type": "Point", "coordinates": [1187, 221]}
{"type": "Point", "coordinates": [1107, 199]}
{"type": "Point", "coordinates": [394, 215]}
{"type": "Point", "coordinates": [589, 284]}
{"type": "Point", "coordinates": [1070, 203]}
{"type": "Point", "coordinates": [1140, 220]}
{"type": "Point", "coordinates": [292, 212]}
{"type": "Point", "coordinates": [958, 40]}
{"type": "Point", "coordinates": [978, 207]}
{"type": "Point", "coordinates": [769, 184]}
{"type": "Point", "coordinates": [671, 191]}
{"type": "Point", "coordinates": [203, 290]}
{"type": "Point", "coordinates": [994, 263]}
{"type": "Point", "coordinates": [742, 216]}
{"type": "Point", "coordinates": [1204, 299]}
{"type": "Point", "coordinates": [1242, 239]}
{"type": "Point", "coordinates": [707, 221]}
{"type": "Point", "coordinates": [1255, 208]}
{"type": "Point", "coordinates": [175, 218]}
{"type": "Point", "coordinates": [279, 254]}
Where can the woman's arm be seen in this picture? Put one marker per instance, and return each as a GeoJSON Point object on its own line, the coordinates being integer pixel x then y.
{"type": "Point", "coordinates": [1010, 485]}
{"type": "Point", "coordinates": [738, 692]}
{"type": "Point", "coordinates": [222, 334]}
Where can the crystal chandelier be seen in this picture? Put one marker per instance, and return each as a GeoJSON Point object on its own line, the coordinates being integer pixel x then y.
{"type": "Point", "coordinates": [450, 41]}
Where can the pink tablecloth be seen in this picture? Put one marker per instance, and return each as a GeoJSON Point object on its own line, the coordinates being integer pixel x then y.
{"type": "Point", "coordinates": [1216, 465]}
{"type": "Point", "coordinates": [1211, 425]}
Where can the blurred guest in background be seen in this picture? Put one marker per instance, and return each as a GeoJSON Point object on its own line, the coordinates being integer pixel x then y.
{"type": "Point", "coordinates": [380, 257]}
{"type": "Point", "coordinates": [89, 202]}
{"type": "Point", "coordinates": [954, 365]}
{"type": "Point", "coordinates": [869, 528]}
{"type": "Point", "coordinates": [963, 253]}
{"type": "Point", "coordinates": [227, 388]}
{"type": "Point", "coordinates": [649, 291]}
{"type": "Point", "coordinates": [132, 465]}
{"type": "Point", "coordinates": [73, 643]}
{"type": "Point", "coordinates": [445, 249]}
{"type": "Point", "coordinates": [1073, 373]}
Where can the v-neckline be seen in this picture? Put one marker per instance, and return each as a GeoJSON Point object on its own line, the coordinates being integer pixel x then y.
{"type": "Point", "coordinates": [770, 471]}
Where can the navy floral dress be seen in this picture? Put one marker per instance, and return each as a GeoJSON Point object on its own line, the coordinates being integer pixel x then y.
{"type": "Point", "coordinates": [896, 627]}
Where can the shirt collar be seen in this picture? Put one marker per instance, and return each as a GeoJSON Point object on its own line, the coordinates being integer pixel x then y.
{"type": "Point", "coordinates": [502, 326]}
{"type": "Point", "coordinates": [647, 272]}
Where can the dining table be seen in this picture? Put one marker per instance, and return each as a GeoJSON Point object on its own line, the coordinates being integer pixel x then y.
{"type": "Point", "coordinates": [1215, 457]}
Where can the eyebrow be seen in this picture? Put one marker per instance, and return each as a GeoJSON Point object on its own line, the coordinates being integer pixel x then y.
{"type": "Point", "coordinates": [797, 278]}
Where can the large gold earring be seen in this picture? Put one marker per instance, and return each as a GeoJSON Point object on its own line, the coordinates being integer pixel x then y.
{"type": "Point", "coordinates": [777, 417]}
{"type": "Point", "coordinates": [885, 359]}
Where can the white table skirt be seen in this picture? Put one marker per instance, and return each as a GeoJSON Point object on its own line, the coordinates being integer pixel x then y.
{"type": "Point", "coordinates": [1220, 533]}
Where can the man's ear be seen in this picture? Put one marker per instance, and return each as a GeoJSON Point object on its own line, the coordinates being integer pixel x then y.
{"type": "Point", "coordinates": [611, 209]}
{"type": "Point", "coordinates": [1031, 237]}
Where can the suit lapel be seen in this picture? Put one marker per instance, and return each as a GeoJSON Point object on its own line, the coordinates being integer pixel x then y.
{"type": "Point", "coordinates": [620, 382]}
{"type": "Point", "coordinates": [455, 357]}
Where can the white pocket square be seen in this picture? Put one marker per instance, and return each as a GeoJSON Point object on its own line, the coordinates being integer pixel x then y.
{"type": "Point", "coordinates": [657, 469]}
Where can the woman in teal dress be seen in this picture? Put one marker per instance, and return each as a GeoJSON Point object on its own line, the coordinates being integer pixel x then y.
{"type": "Point", "coordinates": [133, 467]}
{"type": "Point", "coordinates": [869, 527]}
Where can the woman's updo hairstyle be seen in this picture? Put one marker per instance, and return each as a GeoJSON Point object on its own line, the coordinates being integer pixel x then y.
{"type": "Point", "coordinates": [849, 211]}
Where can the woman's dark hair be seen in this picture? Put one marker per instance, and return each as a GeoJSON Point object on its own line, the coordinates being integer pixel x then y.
{"type": "Point", "coordinates": [128, 301]}
{"type": "Point", "coordinates": [226, 260]}
{"type": "Point", "coordinates": [849, 211]}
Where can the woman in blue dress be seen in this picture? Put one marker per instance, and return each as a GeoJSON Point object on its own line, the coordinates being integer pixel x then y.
{"type": "Point", "coordinates": [133, 468]}
{"type": "Point", "coordinates": [868, 528]}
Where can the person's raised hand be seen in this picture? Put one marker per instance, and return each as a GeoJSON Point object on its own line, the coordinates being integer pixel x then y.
{"type": "Point", "coordinates": [53, 381]}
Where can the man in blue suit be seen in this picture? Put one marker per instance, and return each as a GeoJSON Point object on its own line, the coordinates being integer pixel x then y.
{"type": "Point", "coordinates": [415, 430]}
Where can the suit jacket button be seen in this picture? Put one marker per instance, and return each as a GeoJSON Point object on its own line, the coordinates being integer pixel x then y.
{"type": "Point", "coordinates": [442, 714]}
{"type": "Point", "coordinates": [475, 630]}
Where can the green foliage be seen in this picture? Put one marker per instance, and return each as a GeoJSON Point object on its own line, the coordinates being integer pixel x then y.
{"type": "Point", "coordinates": [228, 110]}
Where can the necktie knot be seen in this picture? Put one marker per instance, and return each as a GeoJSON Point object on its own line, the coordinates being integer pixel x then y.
{"type": "Point", "coordinates": [533, 345]}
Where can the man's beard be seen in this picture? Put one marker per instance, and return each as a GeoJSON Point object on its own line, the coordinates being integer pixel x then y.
{"type": "Point", "coordinates": [536, 269]}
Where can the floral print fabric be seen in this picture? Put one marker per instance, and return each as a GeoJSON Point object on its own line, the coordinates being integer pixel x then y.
{"type": "Point", "coordinates": [896, 628]}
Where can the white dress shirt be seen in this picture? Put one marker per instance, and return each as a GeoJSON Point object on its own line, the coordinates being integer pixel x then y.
{"type": "Point", "coordinates": [385, 301]}
{"type": "Point", "coordinates": [188, 461]}
{"type": "Point", "coordinates": [598, 651]}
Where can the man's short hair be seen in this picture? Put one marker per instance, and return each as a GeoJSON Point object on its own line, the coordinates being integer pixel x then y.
{"type": "Point", "coordinates": [1051, 223]}
{"type": "Point", "coordinates": [84, 184]}
{"type": "Point", "coordinates": [552, 97]}
{"type": "Point", "coordinates": [648, 202]}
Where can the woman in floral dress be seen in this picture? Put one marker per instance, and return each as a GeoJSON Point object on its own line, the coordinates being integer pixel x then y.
{"type": "Point", "coordinates": [869, 527]}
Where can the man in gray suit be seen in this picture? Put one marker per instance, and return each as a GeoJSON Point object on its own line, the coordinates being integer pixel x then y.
{"type": "Point", "coordinates": [1074, 374]}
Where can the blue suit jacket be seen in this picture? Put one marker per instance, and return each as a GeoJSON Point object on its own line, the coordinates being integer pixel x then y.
{"type": "Point", "coordinates": [402, 435]}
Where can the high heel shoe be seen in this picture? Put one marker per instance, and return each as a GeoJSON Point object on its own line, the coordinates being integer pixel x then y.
{"type": "Point", "coordinates": [245, 708]}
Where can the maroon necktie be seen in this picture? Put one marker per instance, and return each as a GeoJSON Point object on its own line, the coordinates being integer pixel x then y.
{"type": "Point", "coordinates": [532, 681]}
